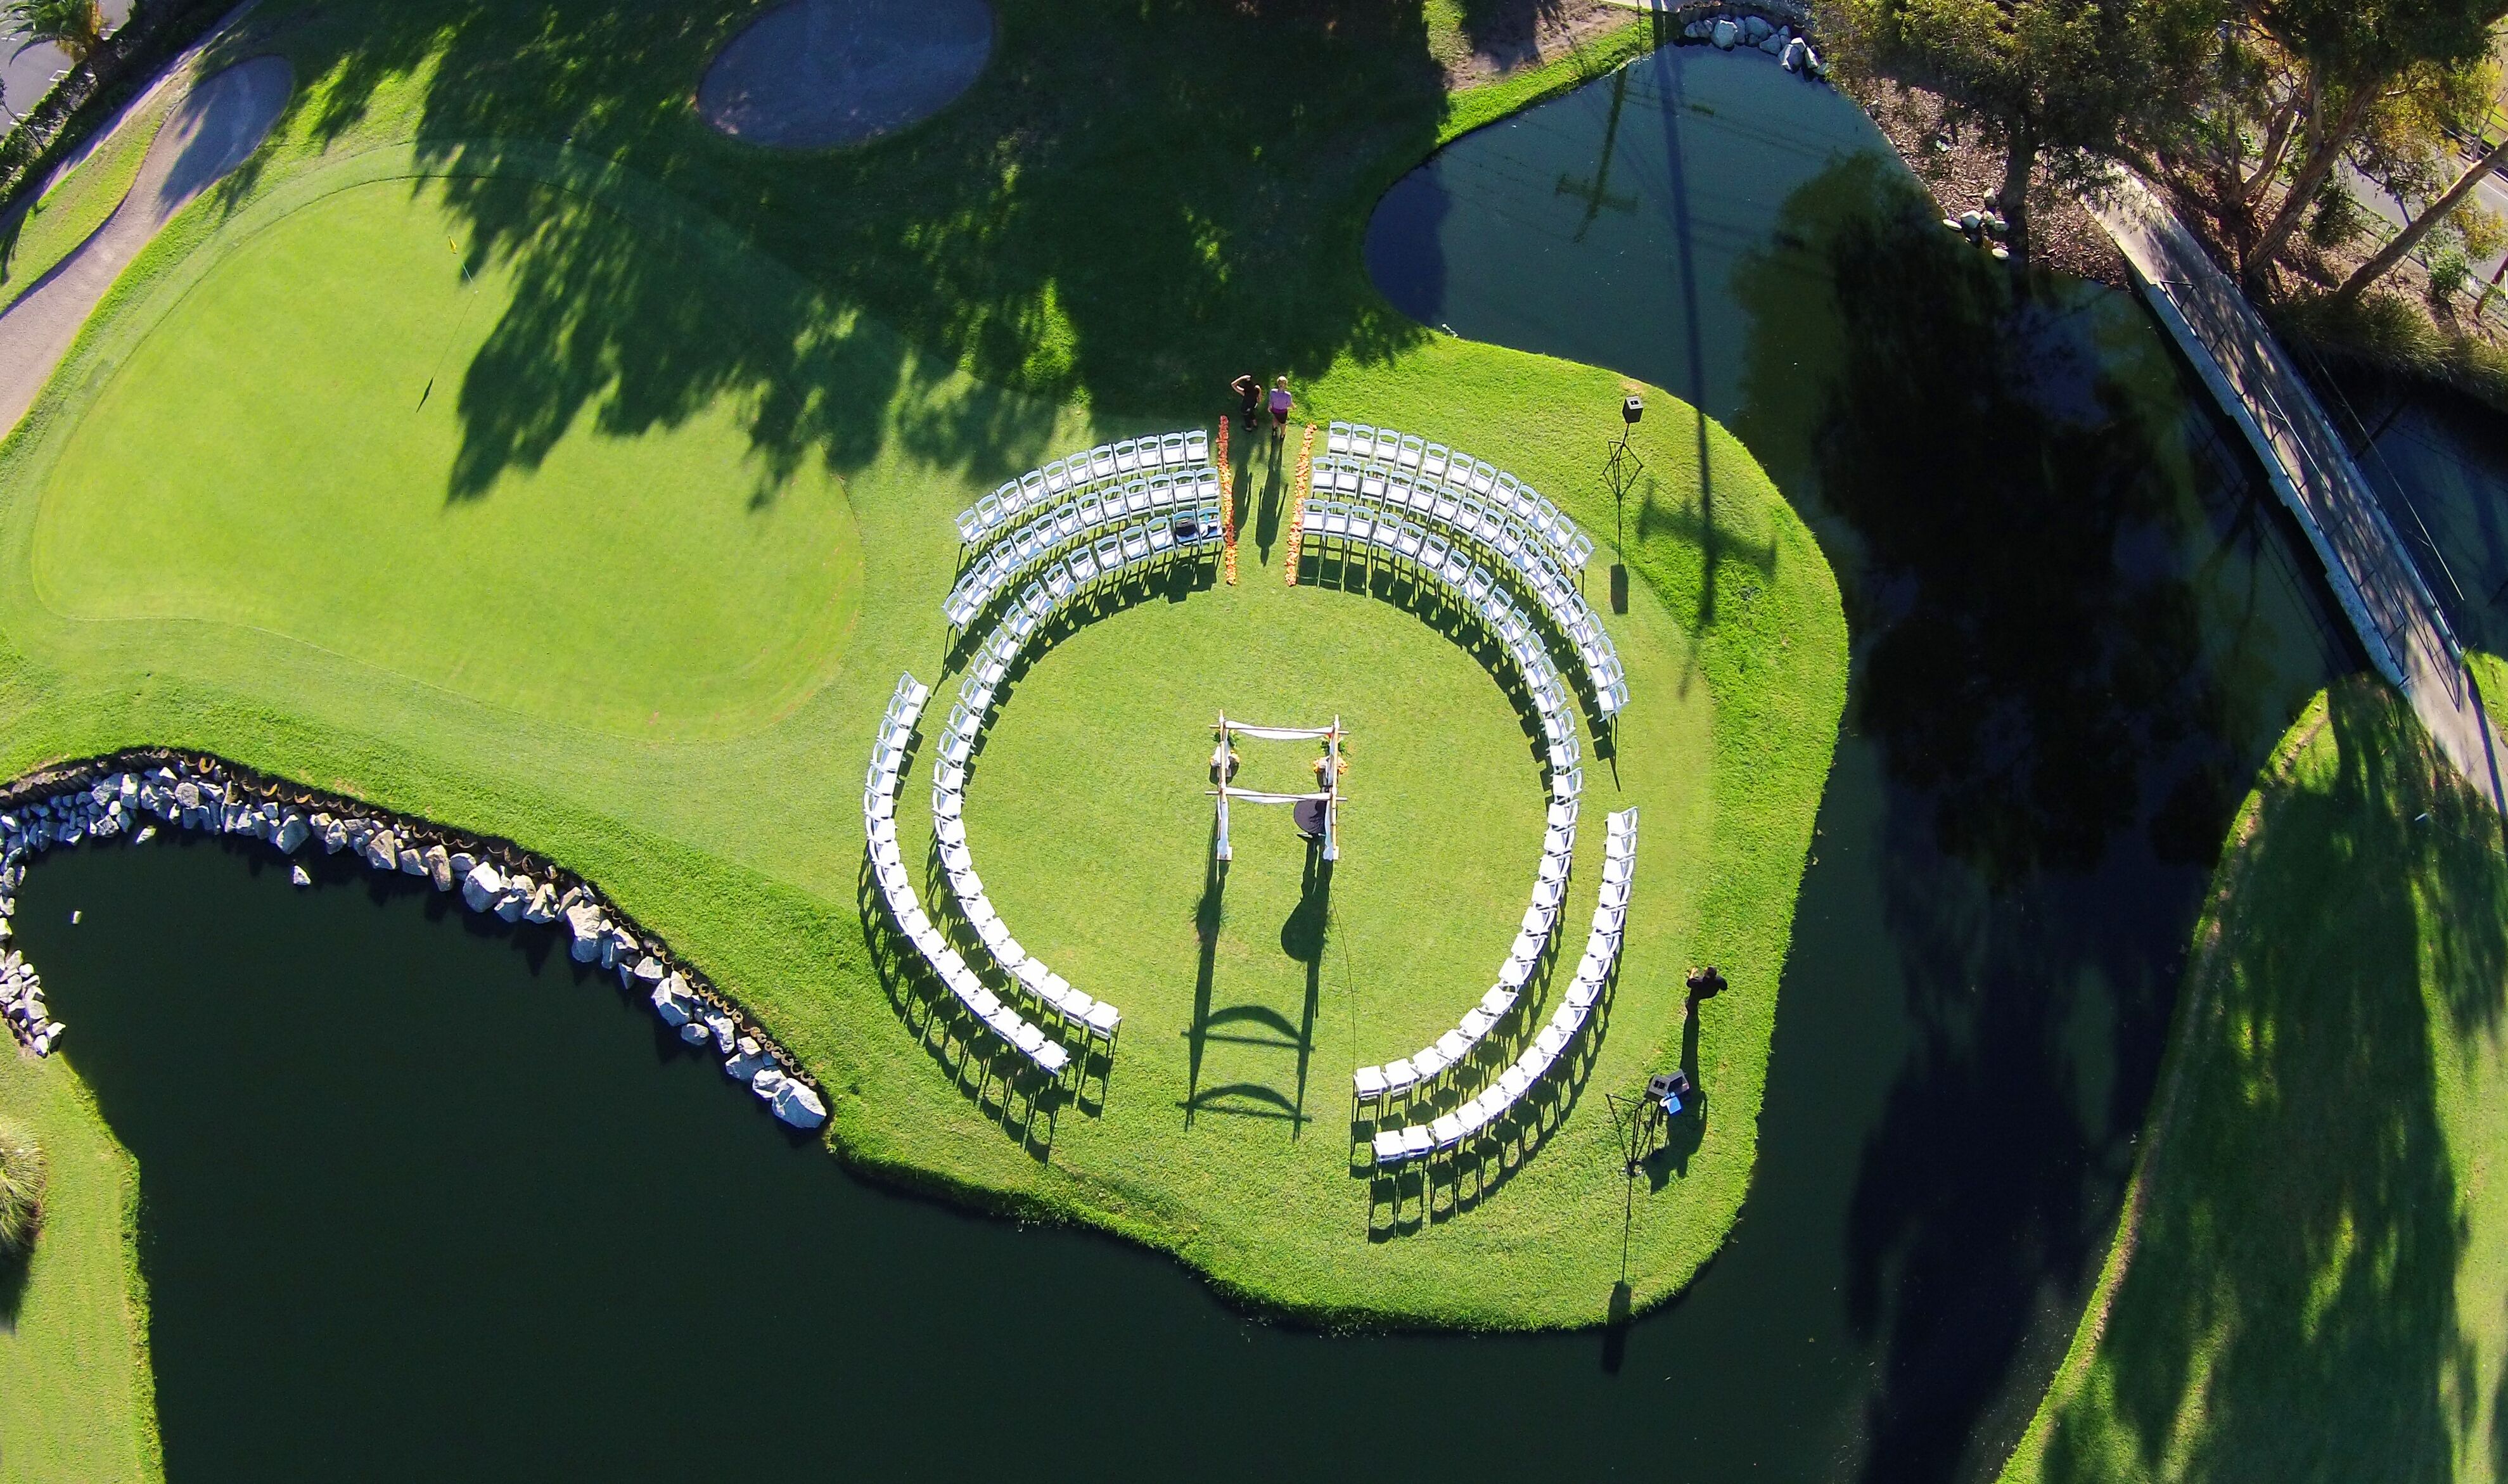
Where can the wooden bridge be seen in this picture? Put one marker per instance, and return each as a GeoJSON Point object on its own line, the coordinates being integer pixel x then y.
{"type": "Point", "coordinates": [2372, 576]}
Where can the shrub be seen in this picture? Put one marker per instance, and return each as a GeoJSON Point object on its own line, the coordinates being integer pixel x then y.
{"type": "Point", "coordinates": [2449, 274]}
{"type": "Point", "coordinates": [21, 1187]}
{"type": "Point", "coordinates": [2390, 334]}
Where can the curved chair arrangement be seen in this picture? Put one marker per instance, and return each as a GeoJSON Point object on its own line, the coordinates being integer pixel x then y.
{"type": "Point", "coordinates": [1180, 531]}
{"type": "Point", "coordinates": [1411, 545]}
{"type": "Point", "coordinates": [897, 888]}
{"type": "Point", "coordinates": [1486, 1109]}
{"type": "Point", "coordinates": [1423, 1070]}
{"type": "Point", "coordinates": [1062, 532]}
{"type": "Point", "coordinates": [1411, 453]}
{"type": "Point", "coordinates": [1329, 525]}
{"type": "Point", "coordinates": [1081, 518]}
{"type": "Point", "coordinates": [1063, 478]}
{"type": "Point", "coordinates": [1507, 522]}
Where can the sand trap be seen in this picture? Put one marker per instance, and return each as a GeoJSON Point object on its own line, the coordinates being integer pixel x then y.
{"type": "Point", "coordinates": [820, 72]}
{"type": "Point", "coordinates": [216, 127]}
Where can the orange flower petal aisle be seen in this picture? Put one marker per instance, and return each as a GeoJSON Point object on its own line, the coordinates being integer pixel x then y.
{"type": "Point", "coordinates": [1298, 505]}
{"type": "Point", "coordinates": [1227, 507]}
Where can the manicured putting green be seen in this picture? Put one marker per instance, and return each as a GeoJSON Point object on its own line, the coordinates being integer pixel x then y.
{"type": "Point", "coordinates": [1249, 997]}
{"type": "Point", "coordinates": [271, 457]}
{"type": "Point", "coordinates": [1089, 813]}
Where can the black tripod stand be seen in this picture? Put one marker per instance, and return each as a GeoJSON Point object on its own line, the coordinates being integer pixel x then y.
{"type": "Point", "coordinates": [1620, 471]}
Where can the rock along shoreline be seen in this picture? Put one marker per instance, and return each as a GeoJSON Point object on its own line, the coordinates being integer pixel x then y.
{"type": "Point", "coordinates": [135, 792]}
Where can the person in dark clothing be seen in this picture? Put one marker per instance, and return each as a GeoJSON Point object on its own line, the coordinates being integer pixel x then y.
{"type": "Point", "coordinates": [1249, 396]}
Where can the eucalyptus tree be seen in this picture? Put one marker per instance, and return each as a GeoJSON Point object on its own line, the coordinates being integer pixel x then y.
{"type": "Point", "coordinates": [2061, 85]}
{"type": "Point", "coordinates": [2345, 58]}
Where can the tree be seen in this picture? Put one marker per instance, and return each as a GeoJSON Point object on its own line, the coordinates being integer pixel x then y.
{"type": "Point", "coordinates": [2411, 155]}
{"type": "Point", "coordinates": [2348, 56]}
{"type": "Point", "coordinates": [2062, 83]}
{"type": "Point", "coordinates": [76, 27]}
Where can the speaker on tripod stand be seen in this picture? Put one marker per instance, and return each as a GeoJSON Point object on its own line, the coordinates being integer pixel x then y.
{"type": "Point", "coordinates": [1619, 471]}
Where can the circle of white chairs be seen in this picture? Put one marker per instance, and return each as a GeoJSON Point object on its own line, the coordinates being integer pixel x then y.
{"type": "Point", "coordinates": [1071, 528]}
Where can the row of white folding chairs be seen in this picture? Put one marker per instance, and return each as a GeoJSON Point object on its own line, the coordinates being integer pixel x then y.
{"type": "Point", "coordinates": [1511, 542]}
{"type": "Point", "coordinates": [1423, 1069]}
{"type": "Point", "coordinates": [1121, 459]}
{"type": "Point", "coordinates": [1412, 454]}
{"type": "Point", "coordinates": [1076, 519]}
{"type": "Point", "coordinates": [1075, 1007]}
{"type": "Point", "coordinates": [1113, 557]}
{"type": "Point", "coordinates": [897, 889]}
{"type": "Point", "coordinates": [1474, 586]}
{"type": "Point", "coordinates": [1482, 520]}
{"type": "Point", "coordinates": [896, 729]}
{"type": "Point", "coordinates": [1448, 1131]}
{"type": "Point", "coordinates": [1330, 521]}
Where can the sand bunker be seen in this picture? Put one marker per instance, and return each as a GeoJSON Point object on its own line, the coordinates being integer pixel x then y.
{"type": "Point", "coordinates": [822, 72]}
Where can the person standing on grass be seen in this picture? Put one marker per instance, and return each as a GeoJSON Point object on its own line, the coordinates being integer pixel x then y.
{"type": "Point", "coordinates": [1249, 396]}
{"type": "Point", "coordinates": [1281, 404]}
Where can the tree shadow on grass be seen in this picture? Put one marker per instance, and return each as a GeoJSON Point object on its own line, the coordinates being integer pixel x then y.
{"type": "Point", "coordinates": [2291, 1310]}
{"type": "Point", "coordinates": [2063, 698]}
{"type": "Point", "coordinates": [1130, 197]}
{"type": "Point", "coordinates": [14, 1269]}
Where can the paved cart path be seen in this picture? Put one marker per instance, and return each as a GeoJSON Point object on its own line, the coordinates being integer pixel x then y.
{"type": "Point", "coordinates": [2373, 578]}
{"type": "Point", "coordinates": [215, 125]}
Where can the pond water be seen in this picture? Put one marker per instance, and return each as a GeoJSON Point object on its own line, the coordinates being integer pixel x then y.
{"type": "Point", "coordinates": [2441, 464]}
{"type": "Point", "coordinates": [2078, 621]}
{"type": "Point", "coordinates": [420, 1199]}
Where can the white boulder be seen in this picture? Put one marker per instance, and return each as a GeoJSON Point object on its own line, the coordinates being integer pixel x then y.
{"type": "Point", "coordinates": [674, 1007]}
{"type": "Point", "coordinates": [797, 1105]}
{"type": "Point", "coordinates": [481, 888]}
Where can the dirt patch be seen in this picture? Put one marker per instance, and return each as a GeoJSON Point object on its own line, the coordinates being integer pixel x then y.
{"type": "Point", "coordinates": [1962, 170]}
{"type": "Point", "coordinates": [1503, 37]}
{"type": "Point", "coordinates": [816, 73]}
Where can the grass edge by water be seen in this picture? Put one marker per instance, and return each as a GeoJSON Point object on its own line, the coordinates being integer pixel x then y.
{"type": "Point", "coordinates": [2100, 1450]}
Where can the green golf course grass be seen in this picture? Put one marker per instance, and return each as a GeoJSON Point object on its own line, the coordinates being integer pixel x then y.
{"type": "Point", "coordinates": [68, 213]}
{"type": "Point", "coordinates": [2310, 1280]}
{"type": "Point", "coordinates": [633, 585]}
{"type": "Point", "coordinates": [75, 1398]}
{"type": "Point", "coordinates": [632, 571]}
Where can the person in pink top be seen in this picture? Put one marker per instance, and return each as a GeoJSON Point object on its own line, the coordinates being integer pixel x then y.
{"type": "Point", "coordinates": [1281, 404]}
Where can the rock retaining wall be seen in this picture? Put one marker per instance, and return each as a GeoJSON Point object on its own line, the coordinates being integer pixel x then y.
{"type": "Point", "coordinates": [1770, 27]}
{"type": "Point", "coordinates": [133, 792]}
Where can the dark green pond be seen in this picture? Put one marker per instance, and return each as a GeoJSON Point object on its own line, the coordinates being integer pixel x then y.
{"type": "Point", "coordinates": [2441, 464]}
{"type": "Point", "coordinates": [422, 1201]}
